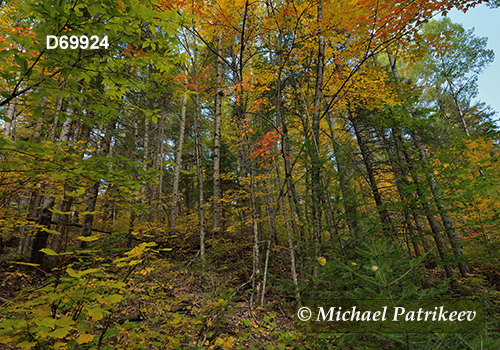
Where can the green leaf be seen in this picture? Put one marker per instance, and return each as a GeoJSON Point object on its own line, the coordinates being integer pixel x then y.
{"type": "Point", "coordinates": [26, 344]}
{"type": "Point", "coordinates": [88, 213]}
{"type": "Point", "coordinates": [96, 313]}
{"type": "Point", "coordinates": [73, 273]}
{"type": "Point", "coordinates": [87, 239]}
{"type": "Point", "coordinates": [85, 338]}
{"type": "Point", "coordinates": [79, 192]}
{"type": "Point", "coordinates": [93, 9]}
{"type": "Point", "coordinates": [50, 231]}
{"type": "Point", "coordinates": [48, 322]}
{"type": "Point", "coordinates": [55, 211]}
{"type": "Point", "coordinates": [65, 322]}
{"type": "Point", "coordinates": [48, 251]}
{"type": "Point", "coordinates": [21, 62]}
{"type": "Point", "coordinates": [59, 345]}
{"type": "Point", "coordinates": [23, 263]}
{"type": "Point", "coordinates": [113, 298]}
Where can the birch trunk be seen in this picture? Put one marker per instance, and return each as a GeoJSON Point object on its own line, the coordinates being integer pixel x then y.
{"type": "Point", "coordinates": [11, 114]}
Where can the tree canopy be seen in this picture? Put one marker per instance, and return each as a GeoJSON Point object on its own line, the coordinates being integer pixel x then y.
{"type": "Point", "coordinates": [183, 174]}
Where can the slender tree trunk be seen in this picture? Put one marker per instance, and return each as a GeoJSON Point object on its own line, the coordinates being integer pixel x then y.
{"type": "Point", "coordinates": [160, 169]}
{"type": "Point", "coordinates": [255, 230]}
{"type": "Point", "coordinates": [315, 153]}
{"type": "Point", "coordinates": [55, 122]}
{"type": "Point", "coordinates": [217, 137]}
{"type": "Point", "coordinates": [426, 207]}
{"type": "Point", "coordinates": [93, 191]}
{"type": "Point", "coordinates": [11, 114]}
{"type": "Point", "coordinates": [459, 108]}
{"type": "Point", "coordinates": [37, 133]}
{"type": "Point", "coordinates": [48, 203]}
{"type": "Point", "coordinates": [385, 217]}
{"type": "Point", "coordinates": [436, 232]}
{"type": "Point", "coordinates": [348, 193]}
{"type": "Point", "coordinates": [445, 217]}
{"type": "Point", "coordinates": [145, 165]}
{"type": "Point", "coordinates": [61, 227]}
{"type": "Point", "coordinates": [402, 184]}
{"type": "Point", "coordinates": [178, 157]}
{"type": "Point", "coordinates": [199, 165]}
{"type": "Point", "coordinates": [291, 248]}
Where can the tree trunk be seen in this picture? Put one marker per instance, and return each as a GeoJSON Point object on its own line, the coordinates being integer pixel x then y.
{"type": "Point", "coordinates": [459, 108]}
{"type": "Point", "coordinates": [93, 191]}
{"type": "Point", "coordinates": [348, 193]}
{"type": "Point", "coordinates": [11, 114]}
{"type": "Point", "coordinates": [445, 217]}
{"type": "Point", "coordinates": [315, 151]}
{"type": "Point", "coordinates": [46, 215]}
{"type": "Point", "coordinates": [178, 157]}
{"type": "Point", "coordinates": [426, 207]}
{"type": "Point", "coordinates": [217, 137]}
{"type": "Point", "coordinates": [385, 217]}
{"type": "Point", "coordinates": [145, 165]}
{"type": "Point", "coordinates": [199, 166]}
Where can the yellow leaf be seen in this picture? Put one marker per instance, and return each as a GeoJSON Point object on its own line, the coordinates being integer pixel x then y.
{"type": "Point", "coordinates": [321, 261]}
{"type": "Point", "coordinates": [60, 346]}
{"type": "Point", "coordinates": [85, 338]}
{"type": "Point", "coordinates": [227, 342]}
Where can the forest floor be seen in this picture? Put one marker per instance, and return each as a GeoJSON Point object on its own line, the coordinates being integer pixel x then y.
{"type": "Point", "coordinates": [168, 303]}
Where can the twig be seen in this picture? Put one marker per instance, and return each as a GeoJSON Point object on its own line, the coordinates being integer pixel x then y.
{"type": "Point", "coordinates": [189, 263]}
{"type": "Point", "coordinates": [3, 300]}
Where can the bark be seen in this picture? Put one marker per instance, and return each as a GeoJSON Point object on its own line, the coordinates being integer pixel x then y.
{"type": "Point", "coordinates": [255, 230]}
{"type": "Point", "coordinates": [459, 108]}
{"type": "Point", "coordinates": [400, 170]}
{"type": "Point", "coordinates": [178, 158]}
{"type": "Point", "coordinates": [145, 165]}
{"type": "Point", "coordinates": [160, 168]}
{"type": "Point", "coordinates": [266, 264]}
{"type": "Point", "coordinates": [37, 133]}
{"type": "Point", "coordinates": [41, 236]}
{"type": "Point", "coordinates": [199, 166]}
{"type": "Point", "coordinates": [88, 219]}
{"type": "Point", "coordinates": [217, 137]}
{"type": "Point", "coordinates": [434, 225]}
{"type": "Point", "coordinates": [448, 224]}
{"type": "Point", "coordinates": [9, 125]}
{"type": "Point", "coordinates": [93, 191]}
{"type": "Point", "coordinates": [61, 227]}
{"type": "Point", "coordinates": [348, 193]}
{"type": "Point", "coordinates": [385, 217]}
{"type": "Point", "coordinates": [426, 206]}
{"type": "Point", "coordinates": [55, 122]}
{"type": "Point", "coordinates": [315, 153]}
{"type": "Point", "coordinates": [291, 248]}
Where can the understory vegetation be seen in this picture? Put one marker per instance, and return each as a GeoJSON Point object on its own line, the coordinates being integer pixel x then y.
{"type": "Point", "coordinates": [212, 163]}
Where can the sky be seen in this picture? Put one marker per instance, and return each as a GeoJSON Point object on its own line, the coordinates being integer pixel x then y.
{"type": "Point", "coordinates": [486, 22]}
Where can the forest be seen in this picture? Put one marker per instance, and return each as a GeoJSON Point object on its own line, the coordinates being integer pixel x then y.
{"type": "Point", "coordinates": [182, 174]}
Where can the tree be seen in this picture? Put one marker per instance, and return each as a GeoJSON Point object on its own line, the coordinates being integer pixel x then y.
{"type": "Point", "coordinates": [454, 58]}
